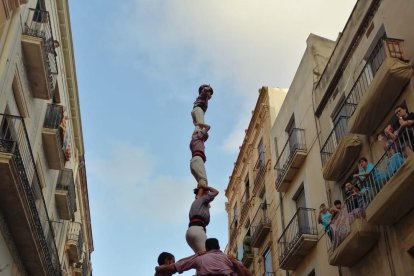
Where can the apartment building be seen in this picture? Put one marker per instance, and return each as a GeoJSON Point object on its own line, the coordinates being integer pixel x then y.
{"type": "Point", "coordinates": [250, 191]}
{"type": "Point", "coordinates": [45, 225]}
{"type": "Point", "coordinates": [342, 133]}
{"type": "Point", "coordinates": [369, 75]}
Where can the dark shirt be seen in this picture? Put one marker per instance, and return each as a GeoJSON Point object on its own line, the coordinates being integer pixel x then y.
{"type": "Point", "coordinates": [197, 144]}
{"type": "Point", "coordinates": [202, 101]}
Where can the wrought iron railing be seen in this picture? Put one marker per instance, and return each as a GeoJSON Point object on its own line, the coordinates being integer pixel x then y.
{"type": "Point", "coordinates": [374, 62]}
{"type": "Point", "coordinates": [54, 116]}
{"type": "Point", "coordinates": [38, 24]}
{"type": "Point", "coordinates": [66, 182]}
{"type": "Point", "coordinates": [75, 235]}
{"type": "Point", "coordinates": [245, 204]}
{"type": "Point", "coordinates": [260, 169]}
{"type": "Point", "coordinates": [260, 220]}
{"type": "Point", "coordinates": [302, 223]}
{"type": "Point", "coordinates": [338, 132]}
{"type": "Point", "coordinates": [340, 227]}
{"type": "Point", "coordinates": [85, 269]}
{"type": "Point", "coordinates": [15, 140]}
{"type": "Point", "coordinates": [295, 142]}
{"type": "Point", "coordinates": [396, 152]}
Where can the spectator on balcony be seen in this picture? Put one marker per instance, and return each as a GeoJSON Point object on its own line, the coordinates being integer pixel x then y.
{"type": "Point", "coordinates": [198, 170]}
{"type": "Point", "coordinates": [200, 105]}
{"type": "Point", "coordinates": [354, 201]}
{"type": "Point", "coordinates": [199, 216]}
{"type": "Point", "coordinates": [325, 218]}
{"type": "Point", "coordinates": [401, 130]}
{"type": "Point", "coordinates": [364, 168]}
{"type": "Point", "coordinates": [212, 262]}
{"type": "Point", "coordinates": [165, 258]}
{"type": "Point", "coordinates": [395, 159]}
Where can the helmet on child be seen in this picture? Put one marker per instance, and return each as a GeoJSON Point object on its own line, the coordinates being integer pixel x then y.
{"type": "Point", "coordinates": [205, 86]}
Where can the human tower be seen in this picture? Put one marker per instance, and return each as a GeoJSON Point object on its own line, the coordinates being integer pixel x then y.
{"type": "Point", "coordinates": [199, 214]}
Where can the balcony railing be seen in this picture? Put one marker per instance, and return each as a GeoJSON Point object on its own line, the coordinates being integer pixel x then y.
{"type": "Point", "coordinates": [53, 134]}
{"type": "Point", "coordinates": [14, 141]}
{"type": "Point", "coordinates": [350, 236]}
{"type": "Point", "coordinates": [386, 47]}
{"type": "Point", "coordinates": [338, 132]}
{"type": "Point", "coordinates": [38, 26]}
{"type": "Point", "coordinates": [245, 200]}
{"type": "Point", "coordinates": [389, 182]}
{"type": "Point", "coordinates": [260, 169]}
{"type": "Point", "coordinates": [260, 225]}
{"type": "Point", "coordinates": [298, 238]}
{"type": "Point", "coordinates": [75, 242]}
{"type": "Point", "coordinates": [65, 194]}
{"type": "Point", "coordinates": [291, 157]}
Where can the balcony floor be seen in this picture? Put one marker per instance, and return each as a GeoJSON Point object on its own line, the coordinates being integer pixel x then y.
{"type": "Point", "coordinates": [298, 252]}
{"type": "Point", "coordinates": [34, 59]}
{"type": "Point", "coordinates": [292, 167]}
{"type": "Point", "coordinates": [53, 148]}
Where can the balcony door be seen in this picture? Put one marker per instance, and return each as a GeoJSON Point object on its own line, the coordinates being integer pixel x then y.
{"type": "Point", "coordinates": [302, 215]}
{"type": "Point", "coordinates": [267, 256]}
{"type": "Point", "coordinates": [293, 138]}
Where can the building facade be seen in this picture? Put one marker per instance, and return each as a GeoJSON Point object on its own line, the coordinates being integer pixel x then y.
{"type": "Point", "coordinates": [344, 133]}
{"type": "Point", "coordinates": [45, 225]}
{"type": "Point", "coordinates": [250, 191]}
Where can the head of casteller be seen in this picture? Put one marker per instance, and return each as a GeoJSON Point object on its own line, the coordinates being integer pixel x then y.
{"type": "Point", "coordinates": [205, 88]}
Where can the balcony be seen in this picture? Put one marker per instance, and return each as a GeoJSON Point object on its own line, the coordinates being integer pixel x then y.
{"type": "Point", "coordinates": [352, 237]}
{"type": "Point", "coordinates": [247, 251]}
{"type": "Point", "coordinates": [22, 202]}
{"type": "Point", "coordinates": [292, 157]}
{"type": "Point", "coordinates": [298, 239]}
{"type": "Point", "coordinates": [65, 195]}
{"type": "Point", "coordinates": [53, 134]}
{"type": "Point", "coordinates": [340, 150]}
{"type": "Point", "coordinates": [260, 226]}
{"type": "Point", "coordinates": [39, 53]}
{"type": "Point", "coordinates": [74, 242]}
{"type": "Point", "coordinates": [390, 182]}
{"type": "Point", "coordinates": [245, 203]}
{"type": "Point", "coordinates": [260, 170]}
{"type": "Point", "coordinates": [379, 85]}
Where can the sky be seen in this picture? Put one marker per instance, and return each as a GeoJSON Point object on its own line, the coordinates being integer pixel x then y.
{"type": "Point", "coordinates": [139, 64]}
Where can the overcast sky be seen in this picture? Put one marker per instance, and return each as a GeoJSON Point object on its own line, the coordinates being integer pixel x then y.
{"type": "Point", "coordinates": [139, 64]}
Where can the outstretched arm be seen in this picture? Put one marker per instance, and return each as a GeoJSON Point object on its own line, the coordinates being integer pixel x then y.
{"type": "Point", "coordinates": [166, 269]}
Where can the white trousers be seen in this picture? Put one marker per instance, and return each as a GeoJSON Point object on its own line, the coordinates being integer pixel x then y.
{"type": "Point", "coordinates": [198, 115]}
{"type": "Point", "coordinates": [196, 238]}
{"type": "Point", "coordinates": [198, 170]}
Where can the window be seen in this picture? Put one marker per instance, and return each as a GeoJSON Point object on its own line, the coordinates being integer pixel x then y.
{"type": "Point", "coordinates": [339, 118]}
{"type": "Point", "coordinates": [267, 256]}
{"type": "Point", "coordinates": [235, 215]}
{"type": "Point", "coordinates": [247, 187]}
{"type": "Point", "coordinates": [293, 139]}
{"type": "Point", "coordinates": [303, 217]}
{"type": "Point", "coordinates": [261, 153]}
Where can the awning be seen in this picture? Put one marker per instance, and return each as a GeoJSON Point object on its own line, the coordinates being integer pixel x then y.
{"type": "Point", "coordinates": [343, 158]}
{"type": "Point", "coordinates": [380, 96]}
{"type": "Point", "coordinates": [396, 198]}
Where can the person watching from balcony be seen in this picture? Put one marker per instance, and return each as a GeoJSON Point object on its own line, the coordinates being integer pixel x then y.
{"type": "Point", "coordinates": [198, 157]}
{"type": "Point", "coordinates": [199, 216]}
{"type": "Point", "coordinates": [165, 258]}
{"type": "Point", "coordinates": [211, 262]}
{"type": "Point", "coordinates": [325, 218]}
{"type": "Point", "coordinates": [364, 168]}
{"type": "Point", "coordinates": [200, 105]}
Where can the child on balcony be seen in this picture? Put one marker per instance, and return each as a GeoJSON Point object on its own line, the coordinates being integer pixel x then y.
{"type": "Point", "coordinates": [205, 92]}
